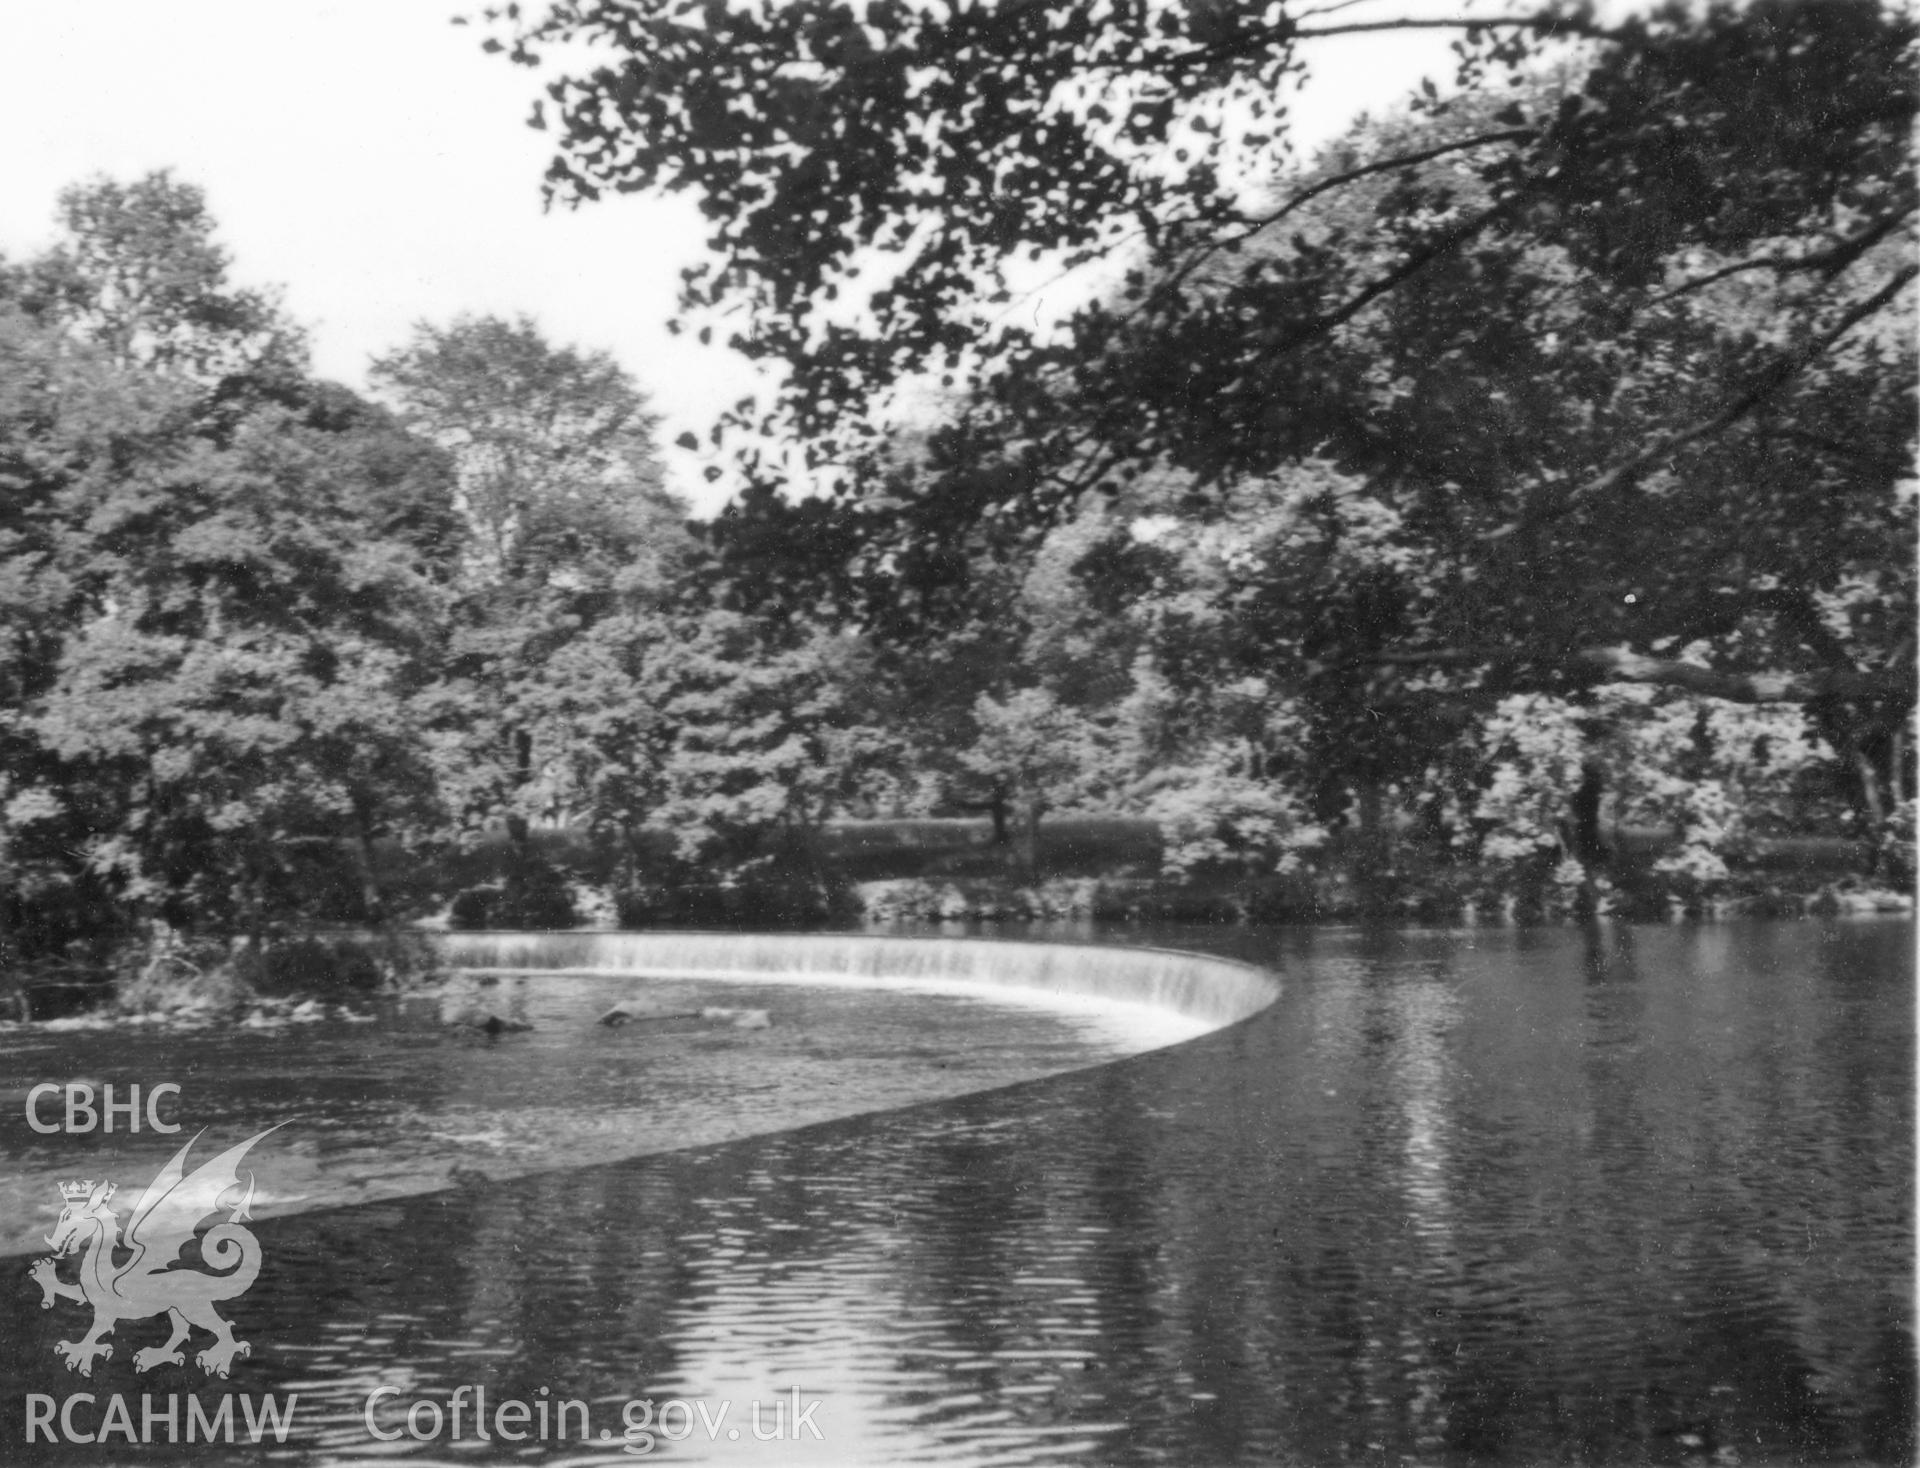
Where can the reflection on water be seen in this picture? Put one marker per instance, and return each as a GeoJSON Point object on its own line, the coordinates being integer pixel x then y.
{"type": "Point", "coordinates": [422, 1098]}
{"type": "Point", "coordinates": [1633, 1195]}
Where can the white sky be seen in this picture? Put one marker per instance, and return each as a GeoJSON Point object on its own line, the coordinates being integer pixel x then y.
{"type": "Point", "coordinates": [367, 158]}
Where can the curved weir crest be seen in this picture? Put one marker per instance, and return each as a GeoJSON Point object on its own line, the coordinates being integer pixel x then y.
{"type": "Point", "coordinates": [1209, 992]}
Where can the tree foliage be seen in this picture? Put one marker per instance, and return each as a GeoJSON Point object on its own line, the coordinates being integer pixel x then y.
{"type": "Point", "coordinates": [873, 172]}
{"type": "Point", "coordinates": [1532, 464]}
{"type": "Point", "coordinates": [1610, 353]}
{"type": "Point", "coordinates": [215, 657]}
{"type": "Point", "coordinates": [560, 477]}
{"type": "Point", "coordinates": [568, 523]}
{"type": "Point", "coordinates": [139, 274]}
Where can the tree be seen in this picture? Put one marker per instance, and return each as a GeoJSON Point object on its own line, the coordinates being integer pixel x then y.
{"type": "Point", "coordinates": [560, 477]}
{"type": "Point", "coordinates": [216, 647]}
{"type": "Point", "coordinates": [1249, 726]}
{"type": "Point", "coordinates": [1618, 348]}
{"type": "Point", "coordinates": [568, 523]}
{"type": "Point", "coordinates": [1035, 755]}
{"type": "Point", "coordinates": [1480, 411]}
{"type": "Point", "coordinates": [63, 413]}
{"type": "Point", "coordinates": [771, 735]}
{"type": "Point", "coordinates": [905, 158]}
{"type": "Point", "coordinates": [1711, 772]}
{"type": "Point", "coordinates": [139, 275]}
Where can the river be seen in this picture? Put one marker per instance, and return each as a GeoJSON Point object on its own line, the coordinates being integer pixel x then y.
{"type": "Point", "coordinates": [1629, 1194]}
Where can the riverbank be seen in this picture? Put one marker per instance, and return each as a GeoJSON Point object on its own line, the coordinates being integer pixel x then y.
{"type": "Point", "coordinates": [1470, 899]}
{"type": "Point", "coordinates": [882, 874]}
{"type": "Point", "coordinates": [872, 873]}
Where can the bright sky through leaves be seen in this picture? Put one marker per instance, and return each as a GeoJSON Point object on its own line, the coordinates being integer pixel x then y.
{"type": "Point", "coordinates": [366, 156]}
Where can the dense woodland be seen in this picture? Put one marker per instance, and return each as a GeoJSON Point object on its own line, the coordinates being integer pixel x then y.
{"type": "Point", "coordinates": [1530, 466]}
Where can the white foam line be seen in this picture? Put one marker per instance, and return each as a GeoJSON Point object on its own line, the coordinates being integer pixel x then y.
{"type": "Point", "coordinates": [1129, 1025]}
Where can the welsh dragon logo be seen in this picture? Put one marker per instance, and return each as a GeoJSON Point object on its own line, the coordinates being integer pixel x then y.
{"type": "Point", "coordinates": [153, 1277]}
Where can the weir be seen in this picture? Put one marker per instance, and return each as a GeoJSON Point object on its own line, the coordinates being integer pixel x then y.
{"type": "Point", "coordinates": [1210, 991]}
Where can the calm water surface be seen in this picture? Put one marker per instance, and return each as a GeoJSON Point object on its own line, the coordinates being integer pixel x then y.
{"type": "Point", "coordinates": [412, 1099]}
{"type": "Point", "coordinates": [1634, 1195]}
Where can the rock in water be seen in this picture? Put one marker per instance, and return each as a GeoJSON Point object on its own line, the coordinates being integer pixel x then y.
{"type": "Point", "coordinates": [628, 1011]}
{"type": "Point", "coordinates": [740, 1019]}
{"type": "Point", "coordinates": [493, 1026]}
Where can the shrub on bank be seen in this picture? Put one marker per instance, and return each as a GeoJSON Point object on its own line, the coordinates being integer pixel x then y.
{"type": "Point", "coordinates": [312, 968]}
{"type": "Point", "coordinates": [173, 974]}
{"type": "Point", "coordinates": [916, 900]}
{"type": "Point", "coordinates": [534, 894]}
{"type": "Point", "coordinates": [180, 976]}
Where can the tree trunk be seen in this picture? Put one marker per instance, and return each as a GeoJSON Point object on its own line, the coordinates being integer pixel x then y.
{"type": "Point", "coordinates": [517, 826]}
{"type": "Point", "coordinates": [1873, 804]}
{"type": "Point", "coordinates": [1028, 851]}
{"type": "Point", "coordinates": [629, 859]}
{"type": "Point", "coordinates": [997, 809]}
{"type": "Point", "coordinates": [371, 896]}
{"type": "Point", "coordinates": [1370, 845]}
{"type": "Point", "coordinates": [1584, 838]}
{"type": "Point", "coordinates": [9, 946]}
{"type": "Point", "coordinates": [257, 910]}
{"type": "Point", "coordinates": [1854, 733]}
{"type": "Point", "coordinates": [1624, 665]}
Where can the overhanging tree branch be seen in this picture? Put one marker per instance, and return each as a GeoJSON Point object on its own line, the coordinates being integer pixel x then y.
{"type": "Point", "coordinates": [1415, 262]}
{"type": "Point", "coordinates": [1622, 664]}
{"type": "Point", "coordinates": [1832, 261]}
{"type": "Point", "coordinates": [1555, 24]}
{"type": "Point", "coordinates": [1549, 24]}
{"type": "Point", "coordinates": [1550, 507]}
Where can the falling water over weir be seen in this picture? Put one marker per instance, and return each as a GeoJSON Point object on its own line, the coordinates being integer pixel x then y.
{"type": "Point", "coordinates": [1208, 991]}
